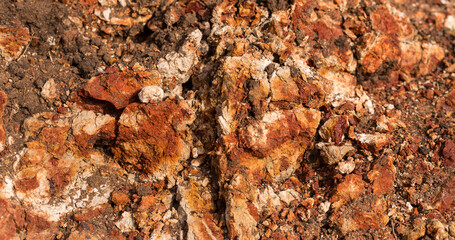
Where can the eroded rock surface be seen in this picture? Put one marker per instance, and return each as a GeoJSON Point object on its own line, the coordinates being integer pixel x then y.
{"type": "Point", "coordinates": [227, 119]}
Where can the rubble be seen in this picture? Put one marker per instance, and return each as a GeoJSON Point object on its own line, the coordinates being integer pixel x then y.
{"type": "Point", "coordinates": [226, 119]}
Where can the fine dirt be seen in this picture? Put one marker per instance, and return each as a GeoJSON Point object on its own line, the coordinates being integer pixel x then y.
{"type": "Point", "coordinates": [271, 119]}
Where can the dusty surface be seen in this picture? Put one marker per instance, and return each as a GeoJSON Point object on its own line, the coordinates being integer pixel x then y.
{"type": "Point", "coordinates": [210, 119]}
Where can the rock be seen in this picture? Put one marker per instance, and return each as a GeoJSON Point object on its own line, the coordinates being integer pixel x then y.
{"type": "Point", "coordinates": [197, 207]}
{"type": "Point", "coordinates": [282, 86]}
{"type": "Point", "coordinates": [415, 231]}
{"type": "Point", "coordinates": [383, 176]}
{"type": "Point", "coordinates": [49, 90]}
{"type": "Point", "coordinates": [3, 99]}
{"type": "Point", "coordinates": [13, 219]}
{"type": "Point", "coordinates": [376, 50]}
{"type": "Point", "coordinates": [450, 22]}
{"type": "Point", "coordinates": [145, 154]}
{"type": "Point", "coordinates": [151, 93]}
{"type": "Point", "coordinates": [333, 130]}
{"type": "Point", "coordinates": [452, 228]}
{"type": "Point", "coordinates": [155, 212]}
{"type": "Point", "coordinates": [268, 200]}
{"type": "Point", "coordinates": [120, 87]}
{"type": "Point", "coordinates": [373, 142]}
{"type": "Point", "coordinates": [411, 54]}
{"type": "Point", "coordinates": [339, 86]}
{"type": "Point", "coordinates": [179, 65]}
{"type": "Point", "coordinates": [449, 153]}
{"type": "Point", "coordinates": [50, 166]}
{"type": "Point", "coordinates": [108, 3]}
{"type": "Point", "coordinates": [241, 214]}
{"type": "Point", "coordinates": [352, 187]}
{"type": "Point", "coordinates": [346, 167]}
{"type": "Point", "coordinates": [120, 199]}
{"type": "Point", "coordinates": [154, 138]}
{"type": "Point", "coordinates": [332, 154]}
{"type": "Point", "coordinates": [445, 198]}
{"type": "Point", "coordinates": [84, 234]}
{"type": "Point", "coordinates": [325, 206]}
{"type": "Point", "coordinates": [432, 54]}
{"type": "Point", "coordinates": [387, 124]}
{"type": "Point", "coordinates": [277, 141]}
{"type": "Point", "coordinates": [125, 223]}
{"type": "Point", "coordinates": [436, 229]}
{"type": "Point", "coordinates": [116, 16]}
{"type": "Point", "coordinates": [391, 22]}
{"type": "Point", "coordinates": [13, 40]}
{"type": "Point", "coordinates": [90, 128]}
{"type": "Point", "coordinates": [363, 214]}
{"type": "Point", "coordinates": [289, 195]}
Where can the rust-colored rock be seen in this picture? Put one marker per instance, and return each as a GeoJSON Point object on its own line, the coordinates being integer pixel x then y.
{"type": "Point", "coordinates": [334, 129]}
{"type": "Point", "coordinates": [383, 176]}
{"type": "Point", "coordinates": [445, 199]}
{"type": "Point", "coordinates": [154, 137]}
{"type": "Point", "coordinates": [449, 153]}
{"type": "Point", "coordinates": [432, 54]}
{"type": "Point", "coordinates": [13, 40]}
{"type": "Point", "coordinates": [12, 222]}
{"type": "Point", "coordinates": [199, 206]}
{"type": "Point", "coordinates": [332, 154]}
{"type": "Point", "coordinates": [368, 213]}
{"type": "Point", "coordinates": [373, 142]}
{"type": "Point", "coordinates": [379, 50]}
{"type": "Point", "coordinates": [120, 87]}
{"type": "Point", "coordinates": [248, 120]}
{"type": "Point", "coordinates": [414, 231]}
{"type": "Point", "coordinates": [120, 199]}
{"type": "Point", "coordinates": [352, 187]}
{"type": "Point", "coordinates": [90, 128]}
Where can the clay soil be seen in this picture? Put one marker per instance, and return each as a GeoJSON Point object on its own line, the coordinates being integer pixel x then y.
{"type": "Point", "coordinates": [398, 187]}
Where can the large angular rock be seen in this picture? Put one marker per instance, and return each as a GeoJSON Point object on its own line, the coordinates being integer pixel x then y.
{"type": "Point", "coordinates": [153, 138]}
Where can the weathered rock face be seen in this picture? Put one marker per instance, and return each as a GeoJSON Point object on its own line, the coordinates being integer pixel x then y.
{"type": "Point", "coordinates": [228, 120]}
{"type": "Point", "coordinates": [51, 172]}
{"type": "Point", "coordinates": [154, 137]}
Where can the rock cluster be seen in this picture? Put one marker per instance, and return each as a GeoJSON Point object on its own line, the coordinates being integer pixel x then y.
{"type": "Point", "coordinates": [259, 120]}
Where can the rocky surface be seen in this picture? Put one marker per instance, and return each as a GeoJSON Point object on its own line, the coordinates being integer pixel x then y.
{"type": "Point", "coordinates": [204, 119]}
